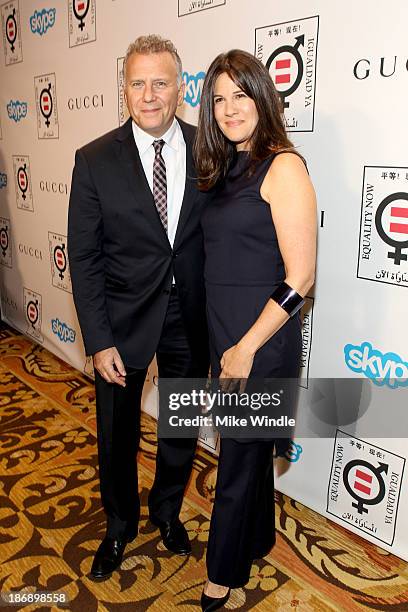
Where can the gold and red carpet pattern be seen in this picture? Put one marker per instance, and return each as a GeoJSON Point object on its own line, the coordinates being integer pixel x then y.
{"type": "Point", "coordinates": [51, 520]}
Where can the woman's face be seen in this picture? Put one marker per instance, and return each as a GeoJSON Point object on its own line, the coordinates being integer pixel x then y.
{"type": "Point", "coordinates": [234, 112]}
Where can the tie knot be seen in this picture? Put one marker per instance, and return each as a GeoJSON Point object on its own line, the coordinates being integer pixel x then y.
{"type": "Point", "coordinates": [158, 146]}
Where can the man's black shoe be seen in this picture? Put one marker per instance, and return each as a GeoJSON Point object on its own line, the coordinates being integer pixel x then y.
{"type": "Point", "coordinates": [174, 536]}
{"type": "Point", "coordinates": [108, 557]}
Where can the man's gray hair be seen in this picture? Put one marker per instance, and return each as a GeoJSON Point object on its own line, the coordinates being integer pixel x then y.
{"type": "Point", "coordinates": [153, 43]}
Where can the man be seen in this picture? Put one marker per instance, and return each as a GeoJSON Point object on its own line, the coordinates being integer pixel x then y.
{"type": "Point", "coordinates": [136, 259]}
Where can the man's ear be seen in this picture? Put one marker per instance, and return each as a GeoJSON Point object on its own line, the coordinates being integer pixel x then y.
{"type": "Point", "coordinates": [181, 94]}
{"type": "Point", "coordinates": [125, 98]}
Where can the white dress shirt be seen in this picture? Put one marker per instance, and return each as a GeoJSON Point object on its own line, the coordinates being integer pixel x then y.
{"type": "Point", "coordinates": [174, 155]}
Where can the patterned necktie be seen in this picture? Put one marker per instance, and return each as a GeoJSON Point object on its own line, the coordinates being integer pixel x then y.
{"type": "Point", "coordinates": [160, 182]}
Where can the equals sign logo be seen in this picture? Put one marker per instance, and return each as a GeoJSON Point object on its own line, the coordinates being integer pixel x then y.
{"type": "Point", "coordinates": [282, 65]}
{"type": "Point", "coordinates": [359, 486]}
{"type": "Point", "coordinates": [46, 103]}
{"type": "Point", "coordinates": [397, 212]}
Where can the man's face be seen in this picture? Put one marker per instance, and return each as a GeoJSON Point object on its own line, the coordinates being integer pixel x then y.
{"type": "Point", "coordinates": [151, 91]}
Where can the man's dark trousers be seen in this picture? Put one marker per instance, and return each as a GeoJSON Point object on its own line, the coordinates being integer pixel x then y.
{"type": "Point", "coordinates": [118, 417]}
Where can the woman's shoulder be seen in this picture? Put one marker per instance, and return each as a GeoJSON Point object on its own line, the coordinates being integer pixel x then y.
{"type": "Point", "coordinates": [287, 164]}
{"type": "Point", "coordinates": [289, 158]}
{"type": "Point", "coordinates": [287, 172]}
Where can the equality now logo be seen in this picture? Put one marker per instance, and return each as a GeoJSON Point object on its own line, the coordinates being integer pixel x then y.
{"type": "Point", "coordinates": [81, 22]}
{"type": "Point", "coordinates": [193, 87]}
{"type": "Point", "coordinates": [10, 21]}
{"type": "Point", "coordinates": [64, 333]}
{"type": "Point", "coordinates": [5, 243]}
{"type": "Point", "coordinates": [41, 21]}
{"type": "Point", "coordinates": [22, 178]}
{"type": "Point", "coordinates": [382, 368]}
{"type": "Point", "coordinates": [46, 103]}
{"type": "Point", "coordinates": [289, 51]}
{"type": "Point", "coordinates": [17, 110]}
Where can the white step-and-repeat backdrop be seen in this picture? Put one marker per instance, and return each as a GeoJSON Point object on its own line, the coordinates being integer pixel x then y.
{"type": "Point", "coordinates": [341, 70]}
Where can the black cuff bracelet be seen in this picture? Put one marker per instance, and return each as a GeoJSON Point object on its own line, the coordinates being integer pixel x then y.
{"type": "Point", "coordinates": [287, 298]}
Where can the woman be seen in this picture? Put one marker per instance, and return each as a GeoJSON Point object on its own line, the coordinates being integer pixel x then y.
{"type": "Point", "coordinates": [259, 234]}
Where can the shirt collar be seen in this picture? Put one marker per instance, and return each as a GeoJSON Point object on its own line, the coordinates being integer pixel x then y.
{"type": "Point", "coordinates": [144, 140]}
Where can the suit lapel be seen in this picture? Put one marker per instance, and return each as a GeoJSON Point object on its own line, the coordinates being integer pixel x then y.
{"type": "Point", "coordinates": [132, 166]}
{"type": "Point", "coordinates": [190, 190]}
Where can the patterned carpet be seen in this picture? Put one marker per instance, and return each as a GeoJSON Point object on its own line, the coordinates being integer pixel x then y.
{"type": "Point", "coordinates": [51, 520]}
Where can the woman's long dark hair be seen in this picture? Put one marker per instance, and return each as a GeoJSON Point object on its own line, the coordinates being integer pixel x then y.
{"type": "Point", "coordinates": [213, 152]}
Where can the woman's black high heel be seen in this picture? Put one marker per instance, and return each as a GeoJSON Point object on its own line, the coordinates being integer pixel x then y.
{"type": "Point", "coordinates": [213, 603]}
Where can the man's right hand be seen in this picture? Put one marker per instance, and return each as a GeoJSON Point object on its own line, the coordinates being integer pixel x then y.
{"type": "Point", "coordinates": [110, 366]}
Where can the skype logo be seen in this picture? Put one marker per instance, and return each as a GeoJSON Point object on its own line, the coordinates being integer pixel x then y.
{"type": "Point", "coordinates": [293, 453]}
{"type": "Point", "coordinates": [41, 21]}
{"type": "Point", "coordinates": [17, 110]}
{"type": "Point", "coordinates": [193, 86]}
{"type": "Point", "coordinates": [64, 333]}
{"type": "Point", "coordinates": [382, 368]}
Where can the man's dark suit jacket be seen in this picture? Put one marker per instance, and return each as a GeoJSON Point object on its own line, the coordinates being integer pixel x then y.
{"type": "Point", "coordinates": [121, 260]}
